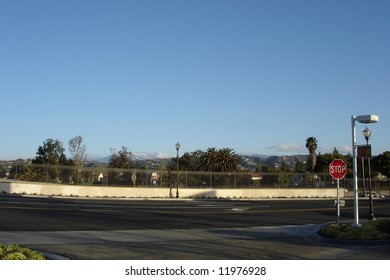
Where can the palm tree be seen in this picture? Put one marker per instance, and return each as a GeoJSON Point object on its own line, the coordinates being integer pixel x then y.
{"type": "Point", "coordinates": [227, 160]}
{"type": "Point", "coordinates": [209, 159]}
{"type": "Point", "coordinates": [311, 145]}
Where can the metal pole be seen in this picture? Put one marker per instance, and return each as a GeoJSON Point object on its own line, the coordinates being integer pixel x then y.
{"type": "Point", "coordinates": [371, 215]}
{"type": "Point", "coordinates": [355, 182]}
{"type": "Point", "coordinates": [338, 203]}
{"type": "Point", "coordinates": [177, 171]}
{"type": "Point", "coordinates": [169, 184]}
{"type": "Point", "coordinates": [363, 176]}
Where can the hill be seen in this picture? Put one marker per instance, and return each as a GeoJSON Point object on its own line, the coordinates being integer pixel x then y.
{"type": "Point", "coordinates": [155, 160]}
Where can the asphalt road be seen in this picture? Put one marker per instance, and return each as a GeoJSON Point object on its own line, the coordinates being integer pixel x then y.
{"type": "Point", "coordinates": [69, 214]}
{"type": "Point", "coordinates": [180, 229]}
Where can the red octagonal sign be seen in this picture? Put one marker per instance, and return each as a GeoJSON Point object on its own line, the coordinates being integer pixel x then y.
{"type": "Point", "coordinates": [338, 169]}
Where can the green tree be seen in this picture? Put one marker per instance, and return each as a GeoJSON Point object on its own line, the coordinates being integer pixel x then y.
{"type": "Point", "coordinates": [209, 159]}
{"type": "Point", "coordinates": [323, 161]}
{"type": "Point", "coordinates": [311, 145]}
{"type": "Point", "coordinates": [381, 163]}
{"type": "Point", "coordinates": [227, 160]}
{"type": "Point", "coordinates": [30, 174]}
{"type": "Point", "coordinates": [300, 167]}
{"type": "Point", "coordinates": [120, 160]}
{"type": "Point", "coordinates": [189, 161]}
{"type": "Point", "coordinates": [185, 162]}
{"type": "Point", "coordinates": [52, 153]}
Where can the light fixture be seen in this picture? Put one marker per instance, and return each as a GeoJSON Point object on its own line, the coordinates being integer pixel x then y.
{"type": "Point", "coordinates": [367, 134]}
{"type": "Point", "coordinates": [361, 119]}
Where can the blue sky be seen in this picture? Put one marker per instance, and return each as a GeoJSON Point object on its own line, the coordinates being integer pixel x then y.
{"type": "Point", "coordinates": [256, 76]}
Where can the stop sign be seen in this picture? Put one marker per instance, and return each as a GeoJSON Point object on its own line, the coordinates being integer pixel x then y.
{"type": "Point", "coordinates": [337, 169]}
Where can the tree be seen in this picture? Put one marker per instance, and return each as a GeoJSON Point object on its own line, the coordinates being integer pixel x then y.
{"type": "Point", "coordinates": [381, 163]}
{"type": "Point", "coordinates": [311, 145]}
{"type": "Point", "coordinates": [51, 153]}
{"type": "Point", "coordinates": [188, 161]}
{"type": "Point", "coordinates": [323, 161]}
{"type": "Point", "coordinates": [196, 158]}
{"type": "Point", "coordinates": [209, 159]}
{"type": "Point", "coordinates": [77, 150]}
{"type": "Point", "coordinates": [122, 159]}
{"type": "Point", "coordinates": [227, 160]}
{"type": "Point", "coordinates": [217, 160]}
{"type": "Point", "coordinates": [30, 174]}
{"type": "Point", "coordinates": [300, 167]}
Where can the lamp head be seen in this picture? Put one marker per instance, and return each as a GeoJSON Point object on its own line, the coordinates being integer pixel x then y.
{"type": "Point", "coordinates": [367, 133]}
{"type": "Point", "coordinates": [367, 119]}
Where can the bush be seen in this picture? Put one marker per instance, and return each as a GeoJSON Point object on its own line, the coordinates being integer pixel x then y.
{"type": "Point", "coordinates": [14, 252]}
{"type": "Point", "coordinates": [372, 230]}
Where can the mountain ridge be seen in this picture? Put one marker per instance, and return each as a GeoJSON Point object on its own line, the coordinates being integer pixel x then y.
{"type": "Point", "coordinates": [246, 161]}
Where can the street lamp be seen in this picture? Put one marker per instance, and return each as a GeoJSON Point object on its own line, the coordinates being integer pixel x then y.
{"type": "Point", "coordinates": [367, 135]}
{"type": "Point", "coordinates": [361, 119]}
{"type": "Point", "coordinates": [177, 169]}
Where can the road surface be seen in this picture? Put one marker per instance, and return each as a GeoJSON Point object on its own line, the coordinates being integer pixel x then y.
{"type": "Point", "coordinates": [180, 229]}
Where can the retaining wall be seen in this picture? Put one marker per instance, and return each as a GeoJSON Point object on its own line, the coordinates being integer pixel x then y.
{"type": "Point", "coordinates": [20, 187]}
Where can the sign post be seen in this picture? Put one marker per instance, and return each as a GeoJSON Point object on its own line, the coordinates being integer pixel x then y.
{"type": "Point", "coordinates": [338, 170]}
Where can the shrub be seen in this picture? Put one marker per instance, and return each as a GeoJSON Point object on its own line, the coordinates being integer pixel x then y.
{"type": "Point", "coordinates": [372, 230]}
{"type": "Point", "coordinates": [14, 252]}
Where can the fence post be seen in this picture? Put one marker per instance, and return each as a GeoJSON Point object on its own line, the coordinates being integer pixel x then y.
{"type": "Point", "coordinates": [47, 173]}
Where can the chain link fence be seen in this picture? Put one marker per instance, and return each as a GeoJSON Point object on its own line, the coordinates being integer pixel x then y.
{"type": "Point", "coordinates": [171, 178]}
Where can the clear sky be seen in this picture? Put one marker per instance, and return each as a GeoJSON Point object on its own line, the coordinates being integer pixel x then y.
{"type": "Point", "coordinates": [257, 76]}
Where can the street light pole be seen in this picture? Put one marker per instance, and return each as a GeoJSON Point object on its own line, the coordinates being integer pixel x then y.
{"type": "Point", "coordinates": [354, 175]}
{"type": "Point", "coordinates": [362, 119]}
{"type": "Point", "coordinates": [177, 169]}
{"type": "Point", "coordinates": [371, 216]}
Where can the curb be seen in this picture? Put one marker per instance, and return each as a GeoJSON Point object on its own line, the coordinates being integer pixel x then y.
{"type": "Point", "coordinates": [313, 235]}
{"type": "Point", "coordinates": [50, 256]}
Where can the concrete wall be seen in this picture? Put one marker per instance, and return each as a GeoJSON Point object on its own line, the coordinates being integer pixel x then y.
{"type": "Point", "coordinates": [21, 187]}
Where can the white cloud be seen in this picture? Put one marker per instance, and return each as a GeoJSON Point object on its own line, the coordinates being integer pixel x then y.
{"type": "Point", "coordinates": [341, 149]}
{"type": "Point", "coordinates": [344, 149]}
{"type": "Point", "coordinates": [287, 148]}
{"type": "Point", "coordinates": [325, 149]}
{"type": "Point", "coordinates": [291, 148]}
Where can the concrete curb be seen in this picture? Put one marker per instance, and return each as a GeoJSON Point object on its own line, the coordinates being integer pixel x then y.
{"type": "Point", "coordinates": [50, 256]}
{"type": "Point", "coordinates": [313, 235]}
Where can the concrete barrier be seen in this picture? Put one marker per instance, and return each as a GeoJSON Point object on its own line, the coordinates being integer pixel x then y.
{"type": "Point", "coordinates": [31, 188]}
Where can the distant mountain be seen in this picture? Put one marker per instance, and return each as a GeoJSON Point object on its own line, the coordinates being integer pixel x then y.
{"type": "Point", "coordinates": [101, 159]}
{"type": "Point", "coordinates": [246, 161]}
{"type": "Point", "coordinates": [254, 155]}
{"type": "Point", "coordinates": [251, 162]}
{"type": "Point", "coordinates": [138, 156]}
{"type": "Point", "coordinates": [145, 156]}
{"type": "Point", "coordinates": [151, 160]}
